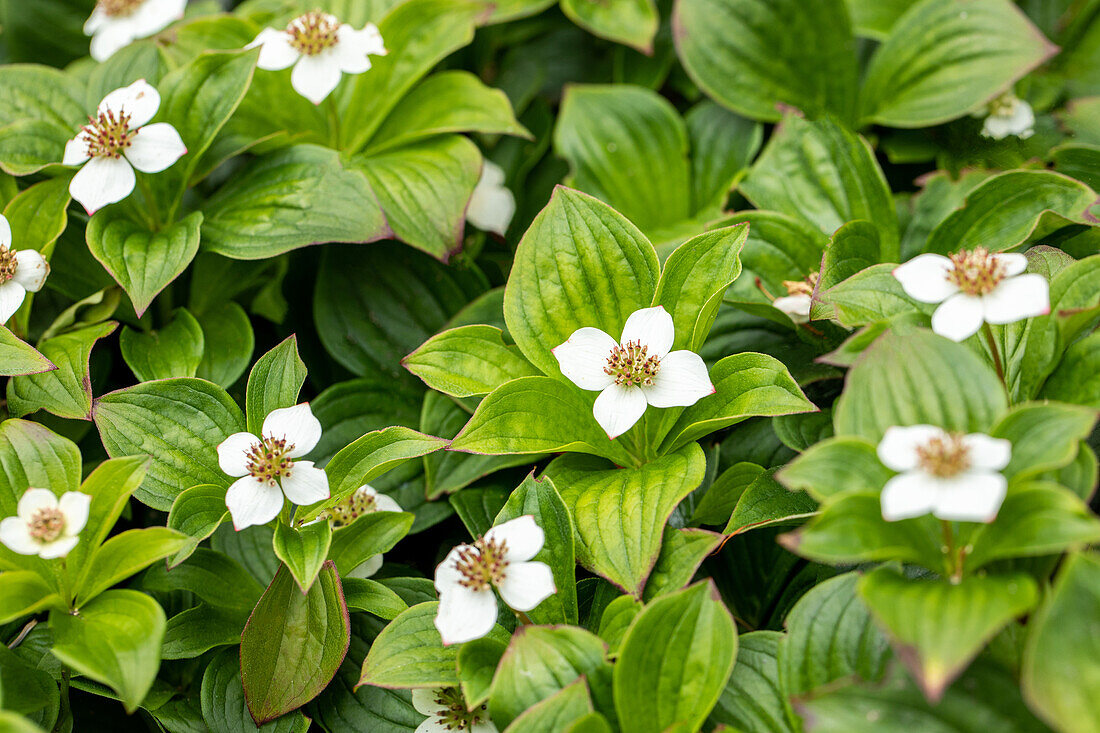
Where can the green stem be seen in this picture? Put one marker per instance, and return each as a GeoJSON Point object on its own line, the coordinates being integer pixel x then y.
{"type": "Point", "coordinates": [997, 363]}
{"type": "Point", "coordinates": [524, 618]}
{"type": "Point", "coordinates": [954, 559]}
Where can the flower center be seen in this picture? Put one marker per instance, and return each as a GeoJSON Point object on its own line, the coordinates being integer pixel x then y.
{"type": "Point", "coordinates": [312, 33]}
{"type": "Point", "coordinates": [1004, 105]}
{"type": "Point", "coordinates": [116, 8]}
{"type": "Point", "coordinates": [976, 272]}
{"type": "Point", "coordinates": [268, 460]}
{"type": "Point", "coordinates": [631, 366]}
{"type": "Point", "coordinates": [482, 563]}
{"type": "Point", "coordinates": [8, 264]}
{"type": "Point", "coordinates": [944, 457]}
{"type": "Point", "coordinates": [453, 714]}
{"type": "Point", "coordinates": [108, 135]}
{"type": "Point", "coordinates": [350, 509]}
{"type": "Point", "coordinates": [804, 286]}
{"type": "Point", "coordinates": [47, 524]}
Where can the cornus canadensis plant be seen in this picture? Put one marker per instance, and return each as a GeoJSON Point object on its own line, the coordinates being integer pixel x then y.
{"type": "Point", "coordinates": [1008, 115]}
{"type": "Point", "coordinates": [45, 525]}
{"type": "Point", "coordinates": [447, 712]}
{"type": "Point", "coordinates": [267, 469]}
{"type": "Point", "coordinates": [796, 303]}
{"type": "Point", "coordinates": [115, 24]}
{"type": "Point", "coordinates": [321, 49]}
{"type": "Point", "coordinates": [501, 560]}
{"type": "Point", "coordinates": [117, 141]}
{"type": "Point", "coordinates": [21, 272]}
{"type": "Point", "coordinates": [365, 500]}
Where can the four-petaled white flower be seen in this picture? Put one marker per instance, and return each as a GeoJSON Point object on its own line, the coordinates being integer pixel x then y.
{"type": "Point", "coordinates": [114, 24]}
{"type": "Point", "coordinates": [21, 272]}
{"type": "Point", "coordinates": [974, 286]}
{"type": "Point", "coordinates": [116, 142]}
{"type": "Point", "coordinates": [320, 48]}
{"type": "Point", "coordinates": [266, 469]}
{"type": "Point", "coordinates": [501, 559]}
{"type": "Point", "coordinates": [44, 525]}
{"type": "Point", "coordinates": [636, 371]}
{"type": "Point", "coordinates": [954, 476]}
{"type": "Point", "coordinates": [492, 204]}
{"type": "Point", "coordinates": [364, 500]}
{"type": "Point", "coordinates": [447, 713]}
{"type": "Point", "coordinates": [1008, 115]}
{"type": "Point", "coordinates": [796, 303]}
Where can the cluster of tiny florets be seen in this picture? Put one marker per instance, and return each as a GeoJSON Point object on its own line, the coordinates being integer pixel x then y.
{"type": "Point", "coordinates": [47, 524]}
{"type": "Point", "coordinates": [118, 7]}
{"type": "Point", "coordinates": [453, 714]}
{"type": "Point", "coordinates": [108, 135]}
{"type": "Point", "coordinates": [268, 460]}
{"type": "Point", "coordinates": [7, 264]}
{"type": "Point", "coordinates": [482, 563]}
{"type": "Point", "coordinates": [350, 509]}
{"type": "Point", "coordinates": [976, 272]}
{"type": "Point", "coordinates": [944, 457]}
{"type": "Point", "coordinates": [312, 33]}
{"type": "Point", "coordinates": [631, 365]}
{"type": "Point", "coordinates": [804, 286]}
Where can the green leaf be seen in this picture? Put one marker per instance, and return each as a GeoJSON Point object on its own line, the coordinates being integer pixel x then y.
{"type": "Point", "coordinates": [1044, 436]}
{"type": "Point", "coordinates": [228, 341]}
{"type": "Point", "coordinates": [746, 385]}
{"type": "Point", "coordinates": [614, 137]}
{"type": "Point", "coordinates": [936, 626]}
{"type": "Point", "coordinates": [1060, 682]}
{"type": "Point", "coordinates": [729, 48]}
{"type": "Point", "coordinates": [568, 705]}
{"type": "Point", "coordinates": [719, 501]}
{"type": "Point", "coordinates": [27, 690]}
{"type": "Point", "coordinates": [538, 663]}
{"type": "Point", "coordinates": [196, 513]}
{"type": "Point", "coordinates": [37, 215]}
{"type": "Point", "coordinates": [124, 555]}
{"type": "Point", "coordinates": [477, 507]}
{"type": "Point", "coordinates": [616, 619]}
{"type": "Point", "coordinates": [1012, 209]}
{"type": "Point", "coordinates": [67, 390]}
{"type": "Point", "coordinates": [467, 361]}
{"type": "Point", "coordinates": [212, 576]}
{"type": "Point", "coordinates": [767, 503]}
{"type": "Point", "coordinates": [179, 422]}
{"type": "Point", "coordinates": [110, 486]}
{"type": "Point", "coordinates": [1077, 377]}
{"type": "Point", "coordinates": [917, 377]}
{"type": "Point", "coordinates": [141, 261]}
{"type": "Point", "coordinates": [682, 552]}
{"type": "Point", "coordinates": [823, 174]}
{"type": "Point", "coordinates": [195, 631]}
{"type": "Point", "coordinates": [754, 698]}
{"type": "Point", "coordinates": [619, 514]}
{"type": "Point", "coordinates": [364, 594]}
{"type": "Point", "coordinates": [42, 109]}
{"type": "Point", "coordinates": [723, 145]}
{"type": "Point", "coordinates": [293, 644]}
{"type": "Point", "coordinates": [612, 271]}
{"type": "Point", "coordinates": [223, 701]}
{"type": "Point", "coordinates": [540, 499]}
{"type": "Point", "coordinates": [289, 199]}
{"type": "Point", "coordinates": [114, 640]}
{"type": "Point", "coordinates": [17, 357]}
{"type": "Point", "coordinates": [868, 296]}
{"type": "Point", "coordinates": [631, 22]}
{"type": "Point", "coordinates": [23, 592]}
{"type": "Point", "coordinates": [921, 76]}
{"type": "Point", "coordinates": [369, 535]}
{"type": "Point", "coordinates": [303, 550]}
{"type": "Point", "coordinates": [854, 247]}
{"type": "Point", "coordinates": [447, 102]}
{"type": "Point", "coordinates": [410, 653]}
{"type": "Point", "coordinates": [274, 383]}
{"type": "Point", "coordinates": [675, 660]}
{"type": "Point", "coordinates": [835, 466]}
{"type": "Point", "coordinates": [477, 663]}
{"type": "Point", "coordinates": [173, 351]}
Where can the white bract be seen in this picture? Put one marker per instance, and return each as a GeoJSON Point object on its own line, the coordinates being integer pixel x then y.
{"type": "Point", "coordinates": [447, 713]}
{"type": "Point", "coordinates": [796, 303]}
{"type": "Point", "coordinates": [950, 475]}
{"type": "Point", "coordinates": [114, 24]}
{"type": "Point", "coordinates": [492, 204]}
{"type": "Point", "coordinates": [501, 559]}
{"type": "Point", "coordinates": [266, 467]}
{"type": "Point", "coordinates": [21, 272]}
{"type": "Point", "coordinates": [320, 48]}
{"type": "Point", "coordinates": [974, 287]}
{"type": "Point", "coordinates": [117, 141]}
{"type": "Point", "coordinates": [1009, 115]}
{"type": "Point", "coordinates": [44, 525]}
{"type": "Point", "coordinates": [365, 500]}
{"type": "Point", "coordinates": [636, 371]}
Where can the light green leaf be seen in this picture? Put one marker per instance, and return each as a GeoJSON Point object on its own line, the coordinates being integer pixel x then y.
{"type": "Point", "coordinates": [173, 351]}
{"type": "Point", "coordinates": [467, 361]}
{"type": "Point", "coordinates": [303, 550]}
{"type": "Point", "coordinates": [364, 594]}
{"type": "Point", "coordinates": [110, 486]}
{"type": "Point", "coordinates": [754, 698]}
{"type": "Point", "coordinates": [682, 552]}
{"type": "Point", "coordinates": [228, 341]}
{"type": "Point", "coordinates": [570, 704]}
{"type": "Point", "coordinates": [67, 390]}
{"type": "Point", "coordinates": [723, 145]}
{"type": "Point", "coordinates": [631, 22]}
{"type": "Point", "coordinates": [868, 296]}
{"type": "Point", "coordinates": [1077, 377]}
{"type": "Point", "coordinates": [835, 466]}
{"type": "Point", "coordinates": [274, 383]}
{"type": "Point", "coordinates": [124, 555]}
{"type": "Point", "coordinates": [767, 503]}
{"type": "Point", "coordinates": [477, 663]}
{"type": "Point", "coordinates": [17, 357]}
{"type": "Point", "coordinates": [719, 501]}
{"type": "Point", "coordinates": [196, 513]}
{"type": "Point", "coordinates": [42, 110]}
{"type": "Point", "coordinates": [23, 592]}
{"type": "Point", "coordinates": [37, 215]}
{"type": "Point", "coordinates": [369, 535]}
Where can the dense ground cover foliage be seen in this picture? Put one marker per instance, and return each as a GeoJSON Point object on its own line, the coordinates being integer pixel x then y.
{"type": "Point", "coordinates": [535, 365]}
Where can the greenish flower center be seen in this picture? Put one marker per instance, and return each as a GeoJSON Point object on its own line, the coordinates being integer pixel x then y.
{"type": "Point", "coordinates": [482, 563]}
{"type": "Point", "coordinates": [631, 365]}
{"type": "Point", "coordinates": [350, 509]}
{"type": "Point", "coordinates": [1004, 105]}
{"type": "Point", "coordinates": [453, 714]}
{"type": "Point", "coordinates": [944, 457]}
{"type": "Point", "coordinates": [47, 524]}
{"type": "Point", "coordinates": [268, 460]}
{"type": "Point", "coordinates": [976, 272]}
{"type": "Point", "coordinates": [108, 135]}
{"type": "Point", "coordinates": [312, 33]}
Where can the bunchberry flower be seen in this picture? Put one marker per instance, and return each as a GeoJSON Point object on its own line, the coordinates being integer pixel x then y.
{"type": "Point", "coordinates": [364, 500]}
{"type": "Point", "coordinates": [636, 371]}
{"type": "Point", "coordinates": [447, 712]}
{"type": "Point", "coordinates": [1008, 115]}
{"type": "Point", "coordinates": [45, 525]}
{"type": "Point", "coordinates": [114, 24]}
{"type": "Point", "coordinates": [974, 286]}
{"type": "Point", "coordinates": [500, 559]}
{"type": "Point", "coordinates": [21, 272]}
{"type": "Point", "coordinates": [953, 476]}
{"type": "Point", "coordinates": [796, 303]}
{"type": "Point", "coordinates": [115, 142]}
{"type": "Point", "coordinates": [267, 469]}
{"type": "Point", "coordinates": [492, 204]}
{"type": "Point", "coordinates": [320, 48]}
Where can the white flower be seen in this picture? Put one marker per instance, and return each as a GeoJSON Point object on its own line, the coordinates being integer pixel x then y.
{"type": "Point", "coordinates": [466, 578]}
{"type": "Point", "coordinates": [118, 141]}
{"type": "Point", "coordinates": [447, 713]}
{"type": "Point", "coordinates": [44, 525]}
{"type": "Point", "coordinates": [1009, 115]}
{"type": "Point", "coordinates": [365, 500]}
{"type": "Point", "coordinates": [636, 371]}
{"type": "Point", "coordinates": [116, 23]}
{"type": "Point", "coordinates": [320, 49]}
{"type": "Point", "coordinates": [266, 469]}
{"type": "Point", "coordinates": [796, 303]}
{"type": "Point", "coordinates": [974, 287]}
{"type": "Point", "coordinates": [953, 476]}
{"type": "Point", "coordinates": [21, 272]}
{"type": "Point", "coordinates": [492, 204]}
